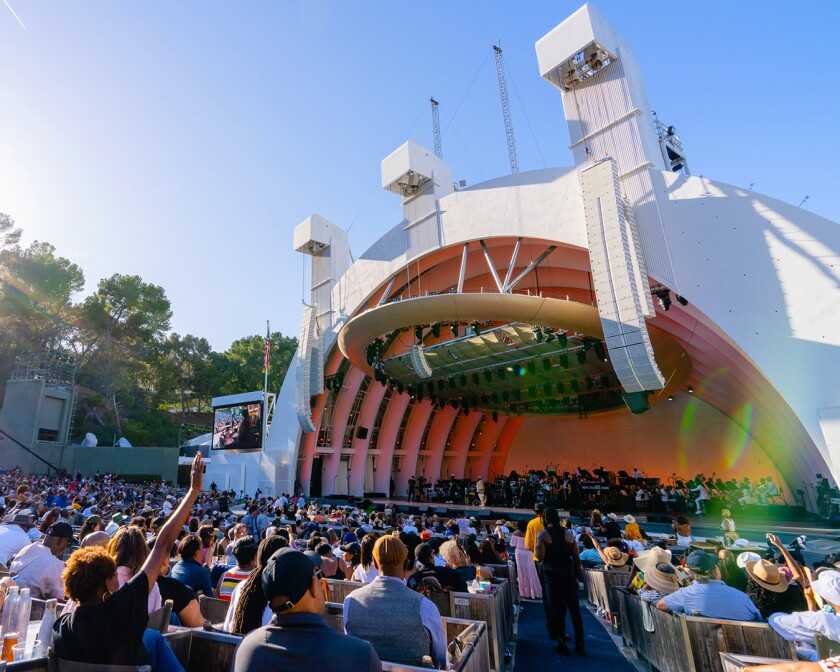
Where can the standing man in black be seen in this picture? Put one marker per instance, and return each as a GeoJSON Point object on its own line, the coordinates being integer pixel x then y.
{"type": "Point", "coordinates": [411, 484]}
{"type": "Point", "coordinates": [558, 552]}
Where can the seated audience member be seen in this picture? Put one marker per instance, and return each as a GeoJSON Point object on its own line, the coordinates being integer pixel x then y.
{"type": "Point", "coordinates": [613, 557]}
{"type": "Point", "coordinates": [14, 535]}
{"type": "Point", "coordinates": [109, 624]}
{"type": "Point", "coordinates": [474, 557]}
{"type": "Point", "coordinates": [611, 527]}
{"type": "Point", "coordinates": [185, 607]}
{"type": "Point", "coordinates": [731, 573]}
{"type": "Point", "coordinates": [245, 553]}
{"type": "Point", "coordinates": [298, 638]}
{"type": "Point", "coordinates": [129, 550]}
{"type": "Point", "coordinates": [387, 600]}
{"type": "Point", "coordinates": [248, 609]}
{"type": "Point", "coordinates": [770, 590]}
{"type": "Point", "coordinates": [457, 559]}
{"type": "Point", "coordinates": [708, 595]}
{"type": "Point", "coordinates": [659, 581]}
{"type": "Point", "coordinates": [189, 570]}
{"type": "Point", "coordinates": [38, 566]}
{"type": "Point", "coordinates": [96, 539]}
{"type": "Point", "coordinates": [331, 566]}
{"type": "Point", "coordinates": [589, 557]}
{"type": "Point", "coordinates": [489, 555]}
{"type": "Point", "coordinates": [632, 531]}
{"type": "Point", "coordinates": [365, 570]}
{"type": "Point", "coordinates": [800, 626]}
{"type": "Point", "coordinates": [446, 577]}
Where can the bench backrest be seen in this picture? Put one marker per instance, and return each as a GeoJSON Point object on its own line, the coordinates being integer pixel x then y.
{"type": "Point", "coordinates": [213, 609]}
{"type": "Point", "coordinates": [338, 589]}
{"type": "Point", "coordinates": [496, 610]}
{"type": "Point", "coordinates": [679, 643]}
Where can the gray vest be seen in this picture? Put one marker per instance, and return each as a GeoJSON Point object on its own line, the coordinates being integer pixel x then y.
{"type": "Point", "coordinates": [387, 614]}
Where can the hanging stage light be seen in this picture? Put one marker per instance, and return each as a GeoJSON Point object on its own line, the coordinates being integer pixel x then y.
{"type": "Point", "coordinates": [550, 337]}
{"type": "Point", "coordinates": [690, 390]}
{"type": "Point", "coordinates": [564, 361]}
{"type": "Point", "coordinates": [441, 383]}
{"type": "Point", "coordinates": [538, 334]}
{"type": "Point", "coordinates": [476, 329]}
{"type": "Point", "coordinates": [501, 373]}
{"type": "Point", "coordinates": [436, 330]}
{"type": "Point", "coordinates": [575, 386]}
{"type": "Point", "coordinates": [454, 329]}
{"type": "Point", "coordinates": [451, 383]}
{"type": "Point", "coordinates": [589, 382]}
{"type": "Point", "coordinates": [561, 389]}
{"type": "Point", "coordinates": [600, 352]}
{"type": "Point", "coordinates": [581, 356]}
{"type": "Point", "coordinates": [476, 379]}
{"type": "Point", "coordinates": [399, 387]}
{"type": "Point", "coordinates": [546, 365]}
{"type": "Point", "coordinates": [418, 333]}
{"type": "Point", "coordinates": [681, 300]}
{"type": "Point", "coordinates": [430, 388]}
{"type": "Point", "coordinates": [488, 375]}
{"type": "Point", "coordinates": [495, 416]}
{"type": "Point", "coordinates": [463, 380]}
{"type": "Point", "coordinates": [547, 389]}
{"type": "Point", "coordinates": [562, 339]}
{"type": "Point", "coordinates": [532, 368]}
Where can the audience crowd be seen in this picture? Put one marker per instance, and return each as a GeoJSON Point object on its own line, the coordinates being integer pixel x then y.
{"type": "Point", "coordinates": [114, 552]}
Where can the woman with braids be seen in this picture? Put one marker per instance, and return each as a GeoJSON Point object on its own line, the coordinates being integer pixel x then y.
{"type": "Point", "coordinates": [109, 625]}
{"type": "Point", "coordinates": [248, 608]}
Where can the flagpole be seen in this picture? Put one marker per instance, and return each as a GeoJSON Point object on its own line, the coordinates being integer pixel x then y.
{"type": "Point", "coordinates": [265, 383]}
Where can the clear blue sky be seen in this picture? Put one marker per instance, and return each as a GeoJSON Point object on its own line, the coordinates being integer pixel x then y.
{"type": "Point", "coordinates": [183, 141]}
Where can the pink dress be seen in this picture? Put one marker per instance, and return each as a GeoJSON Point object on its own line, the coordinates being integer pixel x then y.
{"type": "Point", "coordinates": [529, 582]}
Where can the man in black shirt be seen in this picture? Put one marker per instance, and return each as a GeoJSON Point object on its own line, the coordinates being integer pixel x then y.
{"type": "Point", "coordinates": [298, 638]}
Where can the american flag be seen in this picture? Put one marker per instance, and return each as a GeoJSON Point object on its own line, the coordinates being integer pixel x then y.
{"type": "Point", "coordinates": [267, 353]}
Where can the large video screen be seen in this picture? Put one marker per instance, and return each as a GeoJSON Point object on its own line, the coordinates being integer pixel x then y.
{"type": "Point", "coordinates": [238, 427]}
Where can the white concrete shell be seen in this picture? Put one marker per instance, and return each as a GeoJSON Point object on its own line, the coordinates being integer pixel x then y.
{"type": "Point", "coordinates": [762, 330]}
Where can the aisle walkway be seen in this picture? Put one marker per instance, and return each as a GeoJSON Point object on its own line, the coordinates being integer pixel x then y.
{"type": "Point", "coordinates": [534, 651]}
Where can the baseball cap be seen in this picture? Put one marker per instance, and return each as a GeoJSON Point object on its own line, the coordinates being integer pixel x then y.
{"type": "Point", "coordinates": [314, 558]}
{"type": "Point", "coordinates": [288, 575]}
{"type": "Point", "coordinates": [700, 561]}
{"type": "Point", "coordinates": [539, 506]}
{"type": "Point", "coordinates": [353, 547]}
{"type": "Point", "coordinates": [62, 530]}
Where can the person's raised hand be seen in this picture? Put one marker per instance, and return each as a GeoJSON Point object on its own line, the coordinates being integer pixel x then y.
{"type": "Point", "coordinates": [774, 540]}
{"type": "Point", "coordinates": [197, 472]}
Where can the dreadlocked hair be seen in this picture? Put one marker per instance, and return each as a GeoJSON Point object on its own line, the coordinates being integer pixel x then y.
{"type": "Point", "coordinates": [252, 603]}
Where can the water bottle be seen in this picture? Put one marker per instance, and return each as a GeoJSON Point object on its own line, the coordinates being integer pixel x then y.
{"type": "Point", "coordinates": [23, 610]}
{"type": "Point", "coordinates": [8, 622]}
{"type": "Point", "coordinates": [45, 632]}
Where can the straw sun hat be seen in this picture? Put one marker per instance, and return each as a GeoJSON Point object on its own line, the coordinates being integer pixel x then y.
{"type": "Point", "coordinates": [654, 556]}
{"type": "Point", "coordinates": [664, 581]}
{"type": "Point", "coordinates": [615, 557]}
{"type": "Point", "coordinates": [767, 575]}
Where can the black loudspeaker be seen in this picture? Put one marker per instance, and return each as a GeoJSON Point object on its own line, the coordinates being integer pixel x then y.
{"type": "Point", "coordinates": [636, 401]}
{"type": "Point", "coordinates": [361, 432]}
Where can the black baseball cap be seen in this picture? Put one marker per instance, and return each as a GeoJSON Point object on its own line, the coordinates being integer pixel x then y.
{"type": "Point", "coordinates": [62, 530]}
{"type": "Point", "coordinates": [287, 574]}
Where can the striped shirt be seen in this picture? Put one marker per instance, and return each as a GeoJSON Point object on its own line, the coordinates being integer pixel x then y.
{"type": "Point", "coordinates": [230, 579]}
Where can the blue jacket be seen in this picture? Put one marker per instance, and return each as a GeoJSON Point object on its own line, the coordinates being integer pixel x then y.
{"type": "Point", "coordinates": [192, 574]}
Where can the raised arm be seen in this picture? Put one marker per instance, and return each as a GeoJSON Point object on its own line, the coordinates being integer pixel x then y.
{"type": "Point", "coordinates": [169, 532]}
{"type": "Point", "coordinates": [600, 552]}
{"type": "Point", "coordinates": [792, 565]}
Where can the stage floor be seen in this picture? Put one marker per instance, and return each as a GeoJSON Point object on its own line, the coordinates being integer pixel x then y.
{"type": "Point", "coordinates": [749, 526]}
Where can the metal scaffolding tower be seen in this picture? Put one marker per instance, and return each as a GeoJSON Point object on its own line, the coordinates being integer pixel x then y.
{"type": "Point", "coordinates": [503, 92]}
{"type": "Point", "coordinates": [436, 128]}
